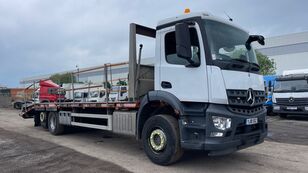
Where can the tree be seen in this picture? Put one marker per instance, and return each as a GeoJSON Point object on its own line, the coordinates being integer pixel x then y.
{"type": "Point", "coordinates": [62, 78]}
{"type": "Point", "coordinates": [108, 85]}
{"type": "Point", "coordinates": [267, 65]}
{"type": "Point", "coordinates": [121, 83]}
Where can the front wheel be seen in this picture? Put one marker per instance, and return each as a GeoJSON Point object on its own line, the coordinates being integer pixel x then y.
{"type": "Point", "coordinates": [161, 139]}
{"type": "Point", "coordinates": [54, 125]}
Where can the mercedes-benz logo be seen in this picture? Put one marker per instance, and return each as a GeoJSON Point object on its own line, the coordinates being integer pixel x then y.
{"type": "Point", "coordinates": [250, 98]}
{"type": "Point", "coordinates": [291, 100]}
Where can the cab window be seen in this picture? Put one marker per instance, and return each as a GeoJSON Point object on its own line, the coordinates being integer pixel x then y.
{"type": "Point", "coordinates": [170, 48]}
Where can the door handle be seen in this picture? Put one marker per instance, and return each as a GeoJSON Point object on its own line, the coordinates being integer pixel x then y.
{"type": "Point", "coordinates": [165, 84]}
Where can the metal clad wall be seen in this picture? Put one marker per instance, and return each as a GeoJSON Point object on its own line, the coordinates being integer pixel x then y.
{"type": "Point", "coordinates": [286, 49]}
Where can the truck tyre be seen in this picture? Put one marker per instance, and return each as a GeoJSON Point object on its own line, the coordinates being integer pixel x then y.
{"type": "Point", "coordinates": [54, 125]}
{"type": "Point", "coordinates": [283, 115]}
{"type": "Point", "coordinates": [161, 139]}
{"type": "Point", "coordinates": [43, 120]}
{"type": "Point", "coordinates": [36, 119]}
{"type": "Point", "coordinates": [17, 105]}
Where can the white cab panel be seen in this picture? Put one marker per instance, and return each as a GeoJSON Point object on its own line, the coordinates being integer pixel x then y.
{"type": "Point", "coordinates": [288, 95]}
{"type": "Point", "coordinates": [242, 80]}
{"type": "Point", "coordinates": [217, 88]}
{"type": "Point", "coordinates": [188, 83]}
{"type": "Point", "coordinates": [157, 61]}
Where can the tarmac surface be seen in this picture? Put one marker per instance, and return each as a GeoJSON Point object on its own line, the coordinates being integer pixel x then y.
{"type": "Point", "coordinates": [20, 153]}
{"type": "Point", "coordinates": [291, 130]}
{"type": "Point", "coordinates": [24, 148]}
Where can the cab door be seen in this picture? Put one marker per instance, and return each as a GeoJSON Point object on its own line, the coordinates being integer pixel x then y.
{"type": "Point", "coordinates": [176, 76]}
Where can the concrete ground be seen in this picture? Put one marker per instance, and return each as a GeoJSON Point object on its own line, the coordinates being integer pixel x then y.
{"type": "Point", "coordinates": [286, 150]}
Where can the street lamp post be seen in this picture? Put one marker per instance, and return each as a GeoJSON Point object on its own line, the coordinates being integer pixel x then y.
{"type": "Point", "coordinates": [77, 73]}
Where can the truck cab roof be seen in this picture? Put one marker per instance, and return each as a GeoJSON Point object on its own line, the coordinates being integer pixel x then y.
{"type": "Point", "coordinates": [203, 15]}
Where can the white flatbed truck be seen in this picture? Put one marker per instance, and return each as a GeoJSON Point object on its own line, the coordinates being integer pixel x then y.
{"type": "Point", "coordinates": [204, 92]}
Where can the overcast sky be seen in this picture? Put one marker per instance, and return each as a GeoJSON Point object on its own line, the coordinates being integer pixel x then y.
{"type": "Point", "coordinates": [46, 36]}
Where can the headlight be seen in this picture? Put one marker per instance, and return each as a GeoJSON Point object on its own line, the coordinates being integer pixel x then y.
{"type": "Point", "coordinates": [221, 123]}
{"type": "Point", "coordinates": [276, 107]}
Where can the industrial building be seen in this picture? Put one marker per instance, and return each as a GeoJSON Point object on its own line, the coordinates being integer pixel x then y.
{"type": "Point", "coordinates": [94, 74]}
{"type": "Point", "coordinates": [290, 52]}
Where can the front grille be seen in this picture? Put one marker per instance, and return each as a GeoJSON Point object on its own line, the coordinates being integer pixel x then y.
{"type": "Point", "coordinates": [239, 97]}
{"type": "Point", "coordinates": [246, 111]}
{"type": "Point", "coordinates": [238, 102]}
{"type": "Point", "coordinates": [292, 101]}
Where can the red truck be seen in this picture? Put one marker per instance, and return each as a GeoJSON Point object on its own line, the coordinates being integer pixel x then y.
{"type": "Point", "coordinates": [50, 92]}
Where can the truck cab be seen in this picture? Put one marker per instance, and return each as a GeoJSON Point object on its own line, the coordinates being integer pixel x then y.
{"type": "Point", "coordinates": [97, 95]}
{"type": "Point", "coordinates": [208, 77]}
{"type": "Point", "coordinates": [50, 92]}
{"type": "Point", "coordinates": [81, 95]}
{"type": "Point", "coordinates": [290, 96]}
{"type": "Point", "coordinates": [118, 93]}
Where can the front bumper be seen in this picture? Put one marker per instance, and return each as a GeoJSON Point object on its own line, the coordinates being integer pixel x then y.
{"type": "Point", "coordinates": [285, 109]}
{"type": "Point", "coordinates": [198, 135]}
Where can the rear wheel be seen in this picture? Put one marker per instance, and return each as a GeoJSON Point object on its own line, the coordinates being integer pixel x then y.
{"type": "Point", "coordinates": [54, 125]}
{"type": "Point", "coordinates": [161, 139]}
{"type": "Point", "coordinates": [17, 105]}
{"type": "Point", "coordinates": [43, 120]}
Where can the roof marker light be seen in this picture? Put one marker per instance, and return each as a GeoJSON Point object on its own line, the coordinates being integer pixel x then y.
{"type": "Point", "coordinates": [187, 11]}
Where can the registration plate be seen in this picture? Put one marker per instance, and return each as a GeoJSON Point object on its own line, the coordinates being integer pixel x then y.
{"type": "Point", "coordinates": [291, 108]}
{"type": "Point", "coordinates": [251, 121]}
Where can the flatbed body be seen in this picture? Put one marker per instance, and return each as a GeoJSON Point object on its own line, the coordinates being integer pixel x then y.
{"type": "Point", "coordinates": [58, 106]}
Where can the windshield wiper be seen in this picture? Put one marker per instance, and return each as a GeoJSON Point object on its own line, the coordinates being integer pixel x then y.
{"type": "Point", "coordinates": [256, 66]}
{"type": "Point", "coordinates": [240, 60]}
{"type": "Point", "coordinates": [281, 91]}
{"type": "Point", "coordinates": [253, 63]}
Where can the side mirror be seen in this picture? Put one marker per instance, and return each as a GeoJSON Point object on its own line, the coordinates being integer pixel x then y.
{"type": "Point", "coordinates": [183, 44]}
{"type": "Point", "coordinates": [253, 38]}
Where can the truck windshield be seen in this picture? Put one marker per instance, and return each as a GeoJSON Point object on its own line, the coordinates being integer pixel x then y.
{"type": "Point", "coordinates": [113, 94]}
{"type": "Point", "coordinates": [291, 85]}
{"type": "Point", "coordinates": [227, 43]}
{"type": "Point", "coordinates": [94, 94]}
{"type": "Point", "coordinates": [78, 95]}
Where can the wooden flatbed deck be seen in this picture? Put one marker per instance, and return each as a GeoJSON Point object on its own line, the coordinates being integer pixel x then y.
{"type": "Point", "coordinates": [56, 106]}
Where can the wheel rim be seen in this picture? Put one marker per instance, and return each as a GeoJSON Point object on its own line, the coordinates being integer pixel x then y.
{"type": "Point", "coordinates": [42, 117]}
{"type": "Point", "coordinates": [52, 123]}
{"type": "Point", "coordinates": [158, 140]}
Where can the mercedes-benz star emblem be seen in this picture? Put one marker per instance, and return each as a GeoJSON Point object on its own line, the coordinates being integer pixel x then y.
{"type": "Point", "coordinates": [291, 100]}
{"type": "Point", "coordinates": [250, 97]}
